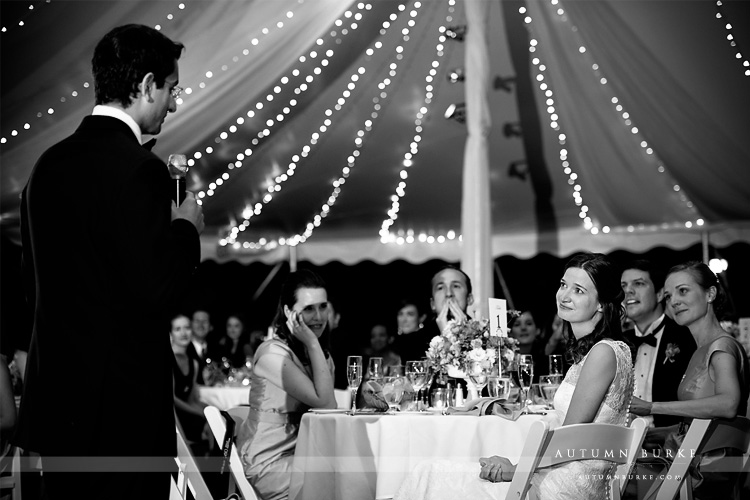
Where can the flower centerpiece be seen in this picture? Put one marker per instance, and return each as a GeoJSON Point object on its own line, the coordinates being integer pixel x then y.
{"type": "Point", "coordinates": [470, 340]}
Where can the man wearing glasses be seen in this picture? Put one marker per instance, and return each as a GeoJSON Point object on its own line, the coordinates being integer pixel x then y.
{"type": "Point", "coordinates": [107, 255]}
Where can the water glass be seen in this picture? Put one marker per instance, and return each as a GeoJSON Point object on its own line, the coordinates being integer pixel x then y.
{"type": "Point", "coordinates": [477, 373]}
{"type": "Point", "coordinates": [555, 364]}
{"type": "Point", "coordinates": [499, 387]}
{"type": "Point", "coordinates": [417, 374]}
{"type": "Point", "coordinates": [439, 398]}
{"type": "Point", "coordinates": [375, 369]}
{"type": "Point", "coordinates": [393, 391]}
{"type": "Point", "coordinates": [354, 376]}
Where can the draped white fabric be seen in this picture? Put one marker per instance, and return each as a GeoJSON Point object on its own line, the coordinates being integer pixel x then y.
{"type": "Point", "coordinates": [669, 64]}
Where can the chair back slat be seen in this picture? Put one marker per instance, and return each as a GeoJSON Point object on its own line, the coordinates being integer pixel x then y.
{"type": "Point", "coordinates": [705, 435]}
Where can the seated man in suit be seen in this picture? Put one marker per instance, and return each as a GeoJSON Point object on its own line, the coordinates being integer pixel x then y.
{"type": "Point", "coordinates": [663, 347]}
{"type": "Point", "coordinates": [198, 348]}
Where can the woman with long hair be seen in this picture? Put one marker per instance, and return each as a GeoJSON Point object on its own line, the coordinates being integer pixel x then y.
{"type": "Point", "coordinates": [597, 388]}
{"type": "Point", "coordinates": [292, 372]}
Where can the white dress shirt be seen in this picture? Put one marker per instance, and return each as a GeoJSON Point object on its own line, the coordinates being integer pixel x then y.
{"type": "Point", "coordinates": [111, 111]}
{"type": "Point", "coordinates": [645, 361]}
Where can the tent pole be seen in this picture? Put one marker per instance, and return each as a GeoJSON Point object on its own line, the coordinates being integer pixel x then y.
{"type": "Point", "coordinates": [292, 258]}
{"type": "Point", "coordinates": [476, 223]}
{"type": "Point", "coordinates": [266, 281]}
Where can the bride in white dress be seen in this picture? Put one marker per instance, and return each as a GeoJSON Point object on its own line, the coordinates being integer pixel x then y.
{"type": "Point", "coordinates": [597, 388]}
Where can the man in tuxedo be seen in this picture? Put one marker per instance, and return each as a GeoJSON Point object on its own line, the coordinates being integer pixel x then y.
{"type": "Point", "coordinates": [103, 241]}
{"type": "Point", "coordinates": [451, 296]}
{"type": "Point", "coordinates": [198, 348]}
{"type": "Point", "coordinates": [664, 348]}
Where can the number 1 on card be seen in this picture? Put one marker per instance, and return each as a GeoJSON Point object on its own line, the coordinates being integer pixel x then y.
{"type": "Point", "coordinates": [498, 318]}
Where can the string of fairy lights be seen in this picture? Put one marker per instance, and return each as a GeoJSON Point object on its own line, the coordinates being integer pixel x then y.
{"type": "Point", "coordinates": [408, 236]}
{"type": "Point", "coordinates": [266, 132]}
{"type": "Point", "coordinates": [721, 17]}
{"type": "Point", "coordinates": [69, 96]}
{"type": "Point", "coordinates": [590, 223]}
{"type": "Point", "coordinates": [21, 23]}
{"type": "Point", "coordinates": [359, 141]}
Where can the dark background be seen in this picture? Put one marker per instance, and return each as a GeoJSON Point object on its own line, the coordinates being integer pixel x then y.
{"type": "Point", "coordinates": [365, 293]}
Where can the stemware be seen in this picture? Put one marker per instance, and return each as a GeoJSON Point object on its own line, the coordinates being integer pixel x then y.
{"type": "Point", "coordinates": [354, 376]}
{"type": "Point", "coordinates": [525, 378]}
{"type": "Point", "coordinates": [416, 373]}
{"type": "Point", "coordinates": [549, 385]}
{"type": "Point", "coordinates": [555, 364]}
{"type": "Point", "coordinates": [478, 374]}
{"type": "Point", "coordinates": [375, 369]}
{"type": "Point", "coordinates": [393, 391]}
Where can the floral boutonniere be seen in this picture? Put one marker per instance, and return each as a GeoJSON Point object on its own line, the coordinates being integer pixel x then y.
{"type": "Point", "coordinates": [670, 352]}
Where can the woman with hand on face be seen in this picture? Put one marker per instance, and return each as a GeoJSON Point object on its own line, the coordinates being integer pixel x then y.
{"type": "Point", "coordinates": [717, 380]}
{"type": "Point", "coordinates": [597, 388]}
{"type": "Point", "coordinates": [291, 373]}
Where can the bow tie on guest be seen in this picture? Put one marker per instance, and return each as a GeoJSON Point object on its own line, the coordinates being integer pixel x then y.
{"type": "Point", "coordinates": [149, 144]}
{"type": "Point", "coordinates": [649, 339]}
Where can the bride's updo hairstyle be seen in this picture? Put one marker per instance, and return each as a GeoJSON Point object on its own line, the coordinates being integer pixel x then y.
{"type": "Point", "coordinates": [303, 278]}
{"type": "Point", "coordinates": [606, 278]}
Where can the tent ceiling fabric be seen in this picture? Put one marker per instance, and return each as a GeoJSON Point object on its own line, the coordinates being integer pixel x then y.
{"type": "Point", "coordinates": [668, 63]}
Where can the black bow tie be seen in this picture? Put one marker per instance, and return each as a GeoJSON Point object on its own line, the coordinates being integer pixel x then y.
{"type": "Point", "coordinates": [149, 144]}
{"type": "Point", "coordinates": [646, 339]}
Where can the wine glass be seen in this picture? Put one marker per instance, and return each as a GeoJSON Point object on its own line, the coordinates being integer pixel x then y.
{"type": "Point", "coordinates": [393, 391]}
{"type": "Point", "coordinates": [478, 374]}
{"type": "Point", "coordinates": [416, 373]}
{"type": "Point", "coordinates": [549, 385]}
{"type": "Point", "coordinates": [375, 369]}
{"type": "Point", "coordinates": [525, 377]}
{"type": "Point", "coordinates": [354, 376]}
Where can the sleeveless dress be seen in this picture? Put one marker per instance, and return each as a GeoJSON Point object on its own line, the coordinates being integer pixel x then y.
{"type": "Point", "coordinates": [581, 480]}
{"type": "Point", "coordinates": [192, 425]}
{"type": "Point", "coordinates": [268, 436]}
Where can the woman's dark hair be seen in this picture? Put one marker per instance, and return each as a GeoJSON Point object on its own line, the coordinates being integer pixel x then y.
{"type": "Point", "coordinates": [125, 55]}
{"type": "Point", "coordinates": [304, 278]}
{"type": "Point", "coordinates": [606, 278]}
{"type": "Point", "coordinates": [705, 278]}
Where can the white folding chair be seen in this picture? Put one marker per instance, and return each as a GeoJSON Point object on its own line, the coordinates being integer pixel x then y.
{"type": "Point", "coordinates": [219, 429]}
{"type": "Point", "coordinates": [546, 448]}
{"type": "Point", "coordinates": [189, 475]}
{"type": "Point", "coordinates": [11, 478]}
{"type": "Point", "coordinates": [704, 436]}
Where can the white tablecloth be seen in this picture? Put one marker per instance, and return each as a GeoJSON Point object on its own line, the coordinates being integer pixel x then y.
{"type": "Point", "coordinates": [224, 397]}
{"type": "Point", "coordinates": [343, 457]}
{"type": "Point", "coordinates": [230, 397]}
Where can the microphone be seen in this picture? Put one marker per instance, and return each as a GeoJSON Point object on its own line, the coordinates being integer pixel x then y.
{"type": "Point", "coordinates": [177, 164]}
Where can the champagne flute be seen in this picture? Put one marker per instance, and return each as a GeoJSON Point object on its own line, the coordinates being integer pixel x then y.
{"type": "Point", "coordinates": [375, 369]}
{"type": "Point", "coordinates": [354, 376]}
{"type": "Point", "coordinates": [525, 378]}
{"type": "Point", "coordinates": [416, 373]}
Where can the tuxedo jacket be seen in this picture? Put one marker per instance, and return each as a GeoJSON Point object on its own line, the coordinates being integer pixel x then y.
{"type": "Point", "coordinates": [105, 264]}
{"type": "Point", "coordinates": [668, 374]}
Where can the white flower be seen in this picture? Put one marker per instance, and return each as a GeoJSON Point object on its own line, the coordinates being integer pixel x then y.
{"type": "Point", "coordinates": [477, 354]}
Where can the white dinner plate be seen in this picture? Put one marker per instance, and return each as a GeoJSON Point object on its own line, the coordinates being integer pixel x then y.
{"type": "Point", "coordinates": [329, 410]}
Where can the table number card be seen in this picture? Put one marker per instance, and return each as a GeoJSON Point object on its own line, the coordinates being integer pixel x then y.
{"type": "Point", "coordinates": [498, 318]}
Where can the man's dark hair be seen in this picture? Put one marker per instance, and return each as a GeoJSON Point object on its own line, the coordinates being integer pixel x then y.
{"type": "Point", "coordinates": [125, 55]}
{"type": "Point", "coordinates": [657, 274]}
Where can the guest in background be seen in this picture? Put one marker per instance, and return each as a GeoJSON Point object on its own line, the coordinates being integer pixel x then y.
{"type": "Point", "coordinates": [137, 254]}
{"type": "Point", "coordinates": [342, 344]}
{"type": "Point", "coordinates": [199, 346]}
{"type": "Point", "coordinates": [597, 388]}
{"type": "Point", "coordinates": [292, 372]}
{"type": "Point", "coordinates": [451, 296]}
{"type": "Point", "coordinates": [380, 347]}
{"type": "Point", "coordinates": [530, 341]}
{"type": "Point", "coordinates": [556, 340]}
{"type": "Point", "coordinates": [663, 347]}
{"type": "Point", "coordinates": [717, 380]}
{"type": "Point", "coordinates": [234, 345]}
{"type": "Point", "coordinates": [188, 407]}
{"type": "Point", "coordinates": [409, 317]}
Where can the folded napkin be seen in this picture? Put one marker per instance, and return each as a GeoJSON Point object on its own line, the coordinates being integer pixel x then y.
{"type": "Point", "coordinates": [486, 406]}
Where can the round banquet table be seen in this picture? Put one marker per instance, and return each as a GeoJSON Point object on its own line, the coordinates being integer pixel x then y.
{"type": "Point", "coordinates": [345, 457]}
{"type": "Point", "coordinates": [225, 397]}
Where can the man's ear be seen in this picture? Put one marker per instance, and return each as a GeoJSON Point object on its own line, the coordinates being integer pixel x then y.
{"type": "Point", "coordinates": [469, 300]}
{"type": "Point", "coordinates": [660, 295]}
{"type": "Point", "coordinates": [287, 312]}
{"type": "Point", "coordinates": [432, 304]}
{"type": "Point", "coordinates": [147, 86]}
